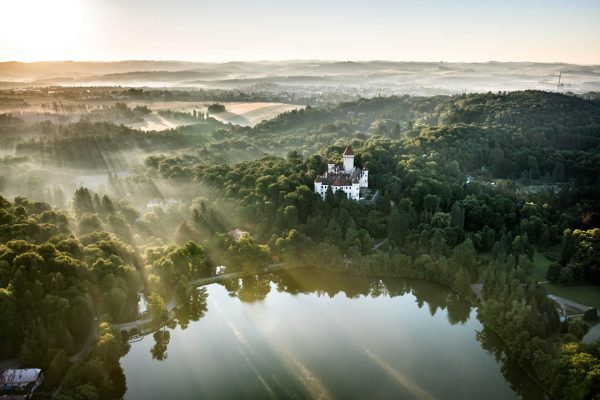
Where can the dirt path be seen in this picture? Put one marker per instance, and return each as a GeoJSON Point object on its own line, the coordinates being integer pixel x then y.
{"type": "Point", "coordinates": [125, 326]}
{"type": "Point", "coordinates": [566, 302]}
{"type": "Point", "coordinates": [378, 245]}
{"type": "Point", "coordinates": [87, 346]}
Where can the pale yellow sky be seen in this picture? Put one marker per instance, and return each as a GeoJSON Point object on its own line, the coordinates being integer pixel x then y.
{"type": "Point", "coordinates": [427, 30]}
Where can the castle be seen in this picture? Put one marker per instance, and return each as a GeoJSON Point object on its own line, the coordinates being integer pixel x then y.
{"type": "Point", "coordinates": [346, 177]}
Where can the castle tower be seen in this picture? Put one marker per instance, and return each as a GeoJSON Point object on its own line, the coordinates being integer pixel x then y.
{"type": "Point", "coordinates": [348, 160]}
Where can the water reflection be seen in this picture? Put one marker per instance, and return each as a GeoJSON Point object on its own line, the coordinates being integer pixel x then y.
{"type": "Point", "coordinates": [192, 309]}
{"type": "Point", "coordinates": [325, 283]}
{"type": "Point", "coordinates": [510, 369]}
{"type": "Point", "coordinates": [161, 341]}
{"type": "Point", "coordinates": [312, 333]}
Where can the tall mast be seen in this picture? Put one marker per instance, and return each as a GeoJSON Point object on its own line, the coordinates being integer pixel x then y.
{"type": "Point", "coordinates": [559, 84]}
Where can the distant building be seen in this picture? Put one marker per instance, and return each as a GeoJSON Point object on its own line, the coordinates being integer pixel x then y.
{"type": "Point", "coordinates": [220, 270]}
{"type": "Point", "coordinates": [160, 203]}
{"type": "Point", "coordinates": [345, 177]}
{"type": "Point", "coordinates": [20, 383]}
{"type": "Point", "coordinates": [237, 234]}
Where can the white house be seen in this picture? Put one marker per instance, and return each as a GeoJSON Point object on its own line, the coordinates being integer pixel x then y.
{"type": "Point", "coordinates": [20, 383]}
{"type": "Point", "coordinates": [346, 177]}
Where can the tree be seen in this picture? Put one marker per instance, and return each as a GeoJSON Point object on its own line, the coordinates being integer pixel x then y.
{"type": "Point", "coordinates": [553, 272]}
{"type": "Point", "coordinates": [431, 202]}
{"type": "Point", "coordinates": [157, 309]}
{"type": "Point", "coordinates": [8, 323]}
{"type": "Point", "coordinates": [398, 227]}
{"type": "Point", "coordinates": [440, 220]}
{"type": "Point", "coordinates": [558, 173]}
{"type": "Point", "coordinates": [577, 327]}
{"type": "Point", "coordinates": [396, 132]}
{"type": "Point", "coordinates": [520, 245]}
{"type": "Point", "coordinates": [438, 244]}
{"type": "Point", "coordinates": [464, 256]}
{"type": "Point", "coordinates": [366, 244]}
{"type": "Point", "coordinates": [457, 215]}
{"type": "Point", "coordinates": [57, 369]}
{"type": "Point", "coordinates": [383, 203]}
{"type": "Point", "coordinates": [216, 108]}
{"type": "Point", "coordinates": [82, 200]}
{"type": "Point", "coordinates": [86, 392]}
{"type": "Point", "coordinates": [109, 347]}
{"type": "Point", "coordinates": [462, 281]}
{"type": "Point", "coordinates": [329, 198]}
{"type": "Point", "coordinates": [89, 223]}
{"type": "Point", "coordinates": [584, 248]}
{"type": "Point", "coordinates": [532, 167]}
{"type": "Point", "coordinates": [107, 204]}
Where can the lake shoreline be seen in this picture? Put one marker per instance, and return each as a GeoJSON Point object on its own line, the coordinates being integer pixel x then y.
{"type": "Point", "coordinates": [333, 312]}
{"type": "Point", "coordinates": [471, 298]}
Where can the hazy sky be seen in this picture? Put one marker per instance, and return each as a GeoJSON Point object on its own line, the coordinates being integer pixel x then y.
{"type": "Point", "coordinates": [222, 30]}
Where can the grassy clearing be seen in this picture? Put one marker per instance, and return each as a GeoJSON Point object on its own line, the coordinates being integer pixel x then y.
{"type": "Point", "coordinates": [540, 266]}
{"type": "Point", "coordinates": [588, 295]}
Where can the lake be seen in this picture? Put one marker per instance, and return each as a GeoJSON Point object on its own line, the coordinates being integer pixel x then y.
{"type": "Point", "coordinates": [308, 333]}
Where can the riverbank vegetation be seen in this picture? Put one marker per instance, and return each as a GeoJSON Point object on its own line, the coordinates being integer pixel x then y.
{"type": "Point", "coordinates": [469, 186]}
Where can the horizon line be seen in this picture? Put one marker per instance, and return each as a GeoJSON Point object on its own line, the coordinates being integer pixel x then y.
{"type": "Point", "coordinates": [296, 60]}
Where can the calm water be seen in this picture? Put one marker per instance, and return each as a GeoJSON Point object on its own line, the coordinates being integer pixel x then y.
{"type": "Point", "coordinates": [311, 334]}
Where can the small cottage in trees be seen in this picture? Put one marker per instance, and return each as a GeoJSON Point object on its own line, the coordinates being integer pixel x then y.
{"type": "Point", "coordinates": [20, 383]}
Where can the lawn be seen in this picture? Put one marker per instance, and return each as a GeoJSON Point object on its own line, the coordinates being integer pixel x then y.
{"type": "Point", "coordinates": [540, 266]}
{"type": "Point", "coordinates": [588, 295]}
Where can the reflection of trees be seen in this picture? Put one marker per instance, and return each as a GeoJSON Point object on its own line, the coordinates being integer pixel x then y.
{"type": "Point", "coordinates": [378, 289]}
{"type": "Point", "coordinates": [459, 310]}
{"type": "Point", "coordinates": [491, 343]}
{"type": "Point", "coordinates": [434, 296]}
{"type": "Point", "coordinates": [119, 387]}
{"type": "Point", "coordinates": [512, 372]}
{"type": "Point", "coordinates": [327, 283]}
{"type": "Point", "coordinates": [161, 341]}
{"type": "Point", "coordinates": [322, 282]}
{"type": "Point", "coordinates": [254, 288]}
{"type": "Point", "coordinates": [193, 308]}
{"type": "Point", "coordinates": [232, 286]}
{"type": "Point", "coordinates": [250, 288]}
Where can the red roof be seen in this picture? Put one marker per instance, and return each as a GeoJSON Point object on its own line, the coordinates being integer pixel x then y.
{"type": "Point", "coordinates": [348, 151]}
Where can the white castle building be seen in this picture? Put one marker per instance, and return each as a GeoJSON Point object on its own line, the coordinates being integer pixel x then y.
{"type": "Point", "coordinates": [347, 177]}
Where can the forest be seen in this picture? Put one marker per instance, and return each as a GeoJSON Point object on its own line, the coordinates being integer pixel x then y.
{"type": "Point", "coordinates": [472, 189]}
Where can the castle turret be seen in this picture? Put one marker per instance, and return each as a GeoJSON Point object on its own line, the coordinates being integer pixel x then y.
{"type": "Point", "coordinates": [348, 160]}
{"type": "Point", "coordinates": [347, 178]}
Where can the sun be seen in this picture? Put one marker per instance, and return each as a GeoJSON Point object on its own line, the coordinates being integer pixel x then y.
{"type": "Point", "coordinates": [41, 29]}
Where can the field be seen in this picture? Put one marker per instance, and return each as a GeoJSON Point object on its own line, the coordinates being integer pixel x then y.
{"type": "Point", "coordinates": [237, 113]}
{"type": "Point", "coordinates": [588, 295]}
{"type": "Point", "coordinates": [154, 122]}
{"type": "Point", "coordinates": [38, 108]}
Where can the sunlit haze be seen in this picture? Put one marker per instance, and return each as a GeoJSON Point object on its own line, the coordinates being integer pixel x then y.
{"type": "Point", "coordinates": [285, 199]}
{"type": "Point", "coordinates": [431, 30]}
